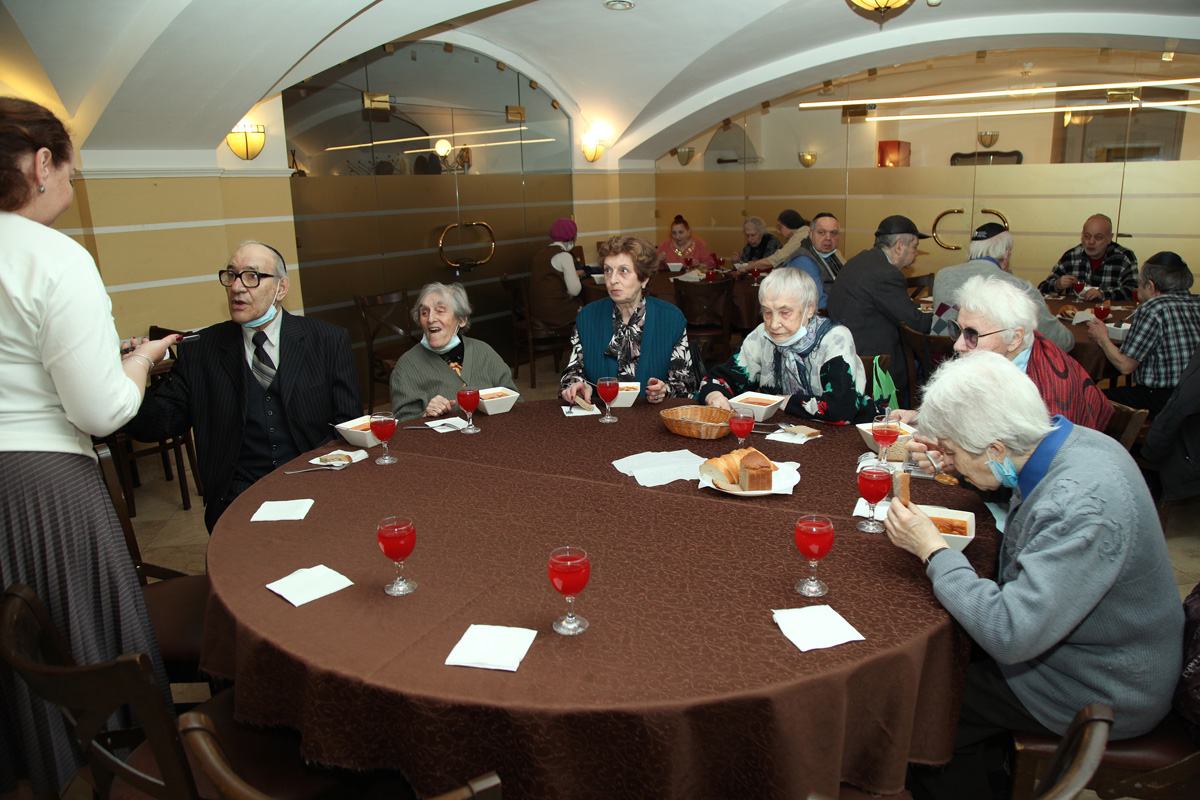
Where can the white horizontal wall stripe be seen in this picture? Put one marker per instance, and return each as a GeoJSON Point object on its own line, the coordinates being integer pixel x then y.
{"type": "Point", "coordinates": [170, 226]}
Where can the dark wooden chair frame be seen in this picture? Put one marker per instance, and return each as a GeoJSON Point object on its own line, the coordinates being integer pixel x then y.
{"type": "Point", "coordinates": [537, 336]}
{"type": "Point", "coordinates": [376, 313]}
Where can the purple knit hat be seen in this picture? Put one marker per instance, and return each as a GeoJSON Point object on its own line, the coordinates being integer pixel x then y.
{"type": "Point", "coordinates": [563, 230]}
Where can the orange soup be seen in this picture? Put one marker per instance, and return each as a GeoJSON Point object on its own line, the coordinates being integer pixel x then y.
{"type": "Point", "coordinates": [956, 527]}
{"type": "Point", "coordinates": [756, 401]}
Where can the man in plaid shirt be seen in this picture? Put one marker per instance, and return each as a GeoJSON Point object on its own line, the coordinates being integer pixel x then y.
{"type": "Point", "coordinates": [1165, 332]}
{"type": "Point", "coordinates": [1108, 270]}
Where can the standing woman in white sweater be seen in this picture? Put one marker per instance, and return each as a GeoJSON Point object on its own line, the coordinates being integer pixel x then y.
{"type": "Point", "coordinates": [62, 380]}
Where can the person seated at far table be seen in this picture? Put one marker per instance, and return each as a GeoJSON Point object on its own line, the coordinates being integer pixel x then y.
{"type": "Point", "coordinates": [759, 243]}
{"type": "Point", "coordinates": [628, 335]}
{"type": "Point", "coordinates": [818, 254]}
{"type": "Point", "coordinates": [792, 230]}
{"type": "Point", "coordinates": [1084, 607]}
{"type": "Point", "coordinates": [554, 286]}
{"type": "Point", "coordinates": [797, 353]}
{"type": "Point", "coordinates": [1109, 270]}
{"type": "Point", "coordinates": [682, 245]}
{"type": "Point", "coordinates": [1164, 333]}
{"type": "Point", "coordinates": [427, 375]}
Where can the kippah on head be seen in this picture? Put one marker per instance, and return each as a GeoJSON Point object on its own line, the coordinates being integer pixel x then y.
{"type": "Point", "coordinates": [987, 230]}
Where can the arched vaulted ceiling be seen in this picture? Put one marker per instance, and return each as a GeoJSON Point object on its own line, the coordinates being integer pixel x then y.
{"type": "Point", "coordinates": [175, 75]}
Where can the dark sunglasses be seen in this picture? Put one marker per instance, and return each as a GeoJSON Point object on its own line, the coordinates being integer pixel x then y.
{"type": "Point", "coordinates": [969, 335]}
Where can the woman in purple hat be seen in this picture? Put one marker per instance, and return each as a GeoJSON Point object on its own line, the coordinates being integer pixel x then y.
{"type": "Point", "coordinates": [554, 277]}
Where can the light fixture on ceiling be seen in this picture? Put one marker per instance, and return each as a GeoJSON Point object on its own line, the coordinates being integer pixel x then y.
{"type": "Point", "coordinates": [881, 6]}
{"type": "Point", "coordinates": [593, 147]}
{"type": "Point", "coordinates": [246, 140]}
{"type": "Point", "coordinates": [684, 154]}
{"type": "Point", "coordinates": [807, 158]}
{"type": "Point", "coordinates": [618, 5]}
{"type": "Point", "coordinates": [987, 138]}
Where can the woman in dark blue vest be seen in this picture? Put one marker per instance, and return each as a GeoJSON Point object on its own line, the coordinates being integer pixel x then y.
{"type": "Point", "coordinates": [629, 335]}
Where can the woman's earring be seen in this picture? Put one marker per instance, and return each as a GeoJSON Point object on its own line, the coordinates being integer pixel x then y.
{"type": "Point", "coordinates": [41, 190]}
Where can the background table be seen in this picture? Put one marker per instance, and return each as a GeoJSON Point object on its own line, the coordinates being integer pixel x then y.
{"type": "Point", "coordinates": [1086, 352]}
{"type": "Point", "coordinates": [683, 687]}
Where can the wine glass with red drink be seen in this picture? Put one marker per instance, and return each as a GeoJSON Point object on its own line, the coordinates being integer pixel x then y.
{"type": "Point", "coordinates": [1101, 312]}
{"type": "Point", "coordinates": [814, 537]}
{"type": "Point", "coordinates": [741, 424]}
{"type": "Point", "coordinates": [755, 273]}
{"type": "Point", "coordinates": [397, 537]}
{"type": "Point", "coordinates": [468, 401]}
{"type": "Point", "coordinates": [687, 262]}
{"type": "Point", "coordinates": [383, 426]}
{"type": "Point", "coordinates": [607, 388]}
{"type": "Point", "coordinates": [885, 433]}
{"type": "Point", "coordinates": [874, 483]}
{"type": "Point", "coordinates": [569, 570]}
{"type": "Point", "coordinates": [1078, 287]}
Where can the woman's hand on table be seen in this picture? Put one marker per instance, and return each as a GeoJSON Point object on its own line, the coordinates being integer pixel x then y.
{"type": "Point", "coordinates": [911, 529]}
{"type": "Point", "coordinates": [578, 388]}
{"type": "Point", "coordinates": [717, 400]}
{"type": "Point", "coordinates": [656, 391]}
{"type": "Point", "coordinates": [439, 406]}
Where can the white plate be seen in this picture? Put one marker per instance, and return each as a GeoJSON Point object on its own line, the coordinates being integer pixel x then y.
{"type": "Point", "coordinates": [783, 481]}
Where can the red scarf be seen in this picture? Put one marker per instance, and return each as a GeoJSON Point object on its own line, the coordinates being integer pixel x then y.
{"type": "Point", "coordinates": [1065, 387]}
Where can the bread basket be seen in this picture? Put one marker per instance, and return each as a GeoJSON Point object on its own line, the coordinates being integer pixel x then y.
{"type": "Point", "coordinates": [697, 422]}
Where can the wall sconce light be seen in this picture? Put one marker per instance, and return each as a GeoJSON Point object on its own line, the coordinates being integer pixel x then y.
{"type": "Point", "coordinates": [807, 158]}
{"type": "Point", "coordinates": [882, 6]}
{"type": "Point", "coordinates": [246, 140]}
{"type": "Point", "coordinates": [593, 147]}
{"type": "Point", "coordinates": [988, 138]}
{"type": "Point", "coordinates": [684, 154]}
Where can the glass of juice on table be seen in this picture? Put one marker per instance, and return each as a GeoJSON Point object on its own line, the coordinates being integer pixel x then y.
{"type": "Point", "coordinates": [814, 537]}
{"type": "Point", "coordinates": [397, 537]}
{"type": "Point", "coordinates": [468, 401]}
{"type": "Point", "coordinates": [885, 433]}
{"type": "Point", "coordinates": [607, 388]}
{"type": "Point", "coordinates": [1101, 312]}
{"type": "Point", "coordinates": [1078, 287]}
{"type": "Point", "coordinates": [741, 423]}
{"type": "Point", "coordinates": [569, 570]}
{"type": "Point", "coordinates": [383, 426]}
{"type": "Point", "coordinates": [874, 483]}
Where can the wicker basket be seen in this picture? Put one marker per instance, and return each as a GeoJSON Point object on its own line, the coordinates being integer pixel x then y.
{"type": "Point", "coordinates": [698, 422]}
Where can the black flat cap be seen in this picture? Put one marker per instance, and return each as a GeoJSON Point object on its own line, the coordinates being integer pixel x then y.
{"type": "Point", "coordinates": [899, 224]}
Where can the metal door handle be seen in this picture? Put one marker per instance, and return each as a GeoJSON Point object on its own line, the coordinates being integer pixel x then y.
{"type": "Point", "coordinates": [1003, 218]}
{"type": "Point", "coordinates": [466, 264]}
{"type": "Point", "coordinates": [938, 219]}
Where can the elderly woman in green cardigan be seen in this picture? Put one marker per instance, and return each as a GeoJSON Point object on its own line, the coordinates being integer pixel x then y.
{"type": "Point", "coordinates": [427, 375]}
{"type": "Point", "coordinates": [628, 335]}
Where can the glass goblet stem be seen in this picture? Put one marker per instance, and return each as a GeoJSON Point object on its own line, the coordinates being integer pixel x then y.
{"type": "Point", "coordinates": [571, 609]}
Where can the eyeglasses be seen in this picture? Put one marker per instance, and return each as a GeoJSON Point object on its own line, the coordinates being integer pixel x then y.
{"type": "Point", "coordinates": [249, 277]}
{"type": "Point", "coordinates": [969, 335]}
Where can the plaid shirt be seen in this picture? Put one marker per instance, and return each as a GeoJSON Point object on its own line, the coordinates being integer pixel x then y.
{"type": "Point", "coordinates": [1117, 278]}
{"type": "Point", "coordinates": [1165, 332]}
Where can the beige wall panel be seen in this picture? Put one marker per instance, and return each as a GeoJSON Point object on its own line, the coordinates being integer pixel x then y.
{"type": "Point", "coordinates": [486, 190]}
{"type": "Point", "coordinates": [415, 191]}
{"type": "Point", "coordinates": [548, 188]}
{"type": "Point", "coordinates": [256, 197]}
{"type": "Point", "coordinates": [144, 201]}
{"type": "Point", "coordinates": [182, 307]}
{"type": "Point", "coordinates": [328, 195]}
{"type": "Point", "coordinates": [681, 185]}
{"type": "Point", "coordinates": [338, 283]}
{"type": "Point", "coordinates": [159, 255]}
{"type": "Point", "coordinates": [280, 235]}
{"type": "Point", "coordinates": [322, 239]}
{"type": "Point", "coordinates": [795, 183]}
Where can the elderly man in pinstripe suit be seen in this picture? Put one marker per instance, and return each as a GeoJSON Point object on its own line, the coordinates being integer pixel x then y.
{"type": "Point", "coordinates": [260, 389]}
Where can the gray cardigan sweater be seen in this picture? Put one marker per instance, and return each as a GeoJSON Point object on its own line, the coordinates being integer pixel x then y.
{"type": "Point", "coordinates": [420, 375]}
{"type": "Point", "coordinates": [1085, 607]}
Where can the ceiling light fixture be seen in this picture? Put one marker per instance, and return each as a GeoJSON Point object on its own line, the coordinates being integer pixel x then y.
{"type": "Point", "coordinates": [881, 6]}
{"type": "Point", "coordinates": [618, 5]}
{"type": "Point", "coordinates": [509, 129]}
{"type": "Point", "coordinates": [1169, 104]}
{"type": "Point", "coordinates": [246, 140]}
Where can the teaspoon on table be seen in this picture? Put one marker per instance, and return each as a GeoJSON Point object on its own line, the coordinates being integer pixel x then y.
{"type": "Point", "coordinates": [333, 467]}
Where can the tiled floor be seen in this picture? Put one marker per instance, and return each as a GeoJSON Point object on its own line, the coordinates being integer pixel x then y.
{"type": "Point", "coordinates": [172, 537]}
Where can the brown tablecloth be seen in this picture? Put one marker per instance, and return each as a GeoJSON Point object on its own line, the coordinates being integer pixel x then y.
{"type": "Point", "coordinates": [1086, 352]}
{"type": "Point", "coordinates": [746, 311]}
{"type": "Point", "coordinates": [683, 687]}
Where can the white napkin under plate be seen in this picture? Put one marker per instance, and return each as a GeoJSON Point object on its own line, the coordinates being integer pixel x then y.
{"type": "Point", "coordinates": [655, 469]}
{"type": "Point", "coordinates": [276, 510]}
{"type": "Point", "coordinates": [881, 508]}
{"type": "Point", "coordinates": [1083, 315]}
{"type": "Point", "coordinates": [355, 456]}
{"type": "Point", "coordinates": [575, 411]}
{"type": "Point", "coordinates": [791, 438]}
{"type": "Point", "coordinates": [815, 627]}
{"type": "Point", "coordinates": [447, 425]}
{"type": "Point", "coordinates": [783, 480]}
{"type": "Point", "coordinates": [305, 585]}
{"type": "Point", "coordinates": [491, 647]}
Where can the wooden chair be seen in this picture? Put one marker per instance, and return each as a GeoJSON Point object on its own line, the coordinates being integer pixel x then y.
{"type": "Point", "coordinates": [920, 285]}
{"type": "Point", "coordinates": [921, 348]}
{"type": "Point", "coordinates": [175, 602]}
{"type": "Point", "coordinates": [157, 767]}
{"type": "Point", "coordinates": [379, 314]}
{"type": "Point", "coordinates": [1077, 756]}
{"type": "Point", "coordinates": [1125, 424]}
{"type": "Point", "coordinates": [537, 336]}
{"type": "Point", "coordinates": [1162, 765]}
{"type": "Point", "coordinates": [868, 362]}
{"type": "Point", "coordinates": [203, 741]}
{"type": "Point", "coordinates": [708, 309]}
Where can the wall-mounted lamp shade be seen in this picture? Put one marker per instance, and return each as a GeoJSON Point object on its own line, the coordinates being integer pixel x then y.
{"type": "Point", "coordinates": [593, 147]}
{"type": "Point", "coordinates": [880, 6]}
{"type": "Point", "coordinates": [685, 155]}
{"type": "Point", "coordinates": [246, 140]}
{"type": "Point", "coordinates": [442, 147]}
{"type": "Point", "coordinates": [807, 158]}
{"type": "Point", "coordinates": [988, 138]}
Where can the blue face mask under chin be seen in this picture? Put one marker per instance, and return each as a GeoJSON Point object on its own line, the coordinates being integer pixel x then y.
{"type": "Point", "coordinates": [1006, 473]}
{"type": "Point", "coordinates": [454, 340]}
{"type": "Point", "coordinates": [268, 315]}
{"type": "Point", "coordinates": [795, 337]}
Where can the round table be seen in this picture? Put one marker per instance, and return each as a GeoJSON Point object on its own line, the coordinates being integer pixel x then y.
{"type": "Point", "coordinates": [1086, 352]}
{"type": "Point", "coordinates": [682, 687]}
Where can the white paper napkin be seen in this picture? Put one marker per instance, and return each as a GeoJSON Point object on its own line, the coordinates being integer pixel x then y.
{"type": "Point", "coordinates": [791, 438]}
{"type": "Point", "coordinates": [1083, 315]}
{"type": "Point", "coordinates": [355, 456]}
{"type": "Point", "coordinates": [783, 480]}
{"type": "Point", "coordinates": [491, 647]}
{"type": "Point", "coordinates": [575, 411]}
{"type": "Point", "coordinates": [276, 510]}
{"type": "Point", "coordinates": [308, 584]}
{"type": "Point", "coordinates": [815, 627]}
{"type": "Point", "coordinates": [447, 425]}
{"type": "Point", "coordinates": [655, 469]}
{"type": "Point", "coordinates": [881, 508]}
{"type": "Point", "coordinates": [690, 277]}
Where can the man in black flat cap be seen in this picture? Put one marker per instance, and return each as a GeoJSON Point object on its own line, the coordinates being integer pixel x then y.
{"type": "Point", "coordinates": [991, 249]}
{"type": "Point", "coordinates": [870, 296]}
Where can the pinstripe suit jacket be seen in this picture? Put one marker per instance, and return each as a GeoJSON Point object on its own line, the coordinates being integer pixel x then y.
{"type": "Point", "coordinates": [206, 391]}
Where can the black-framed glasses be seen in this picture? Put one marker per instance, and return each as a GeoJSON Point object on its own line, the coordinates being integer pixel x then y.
{"type": "Point", "coordinates": [250, 278]}
{"type": "Point", "coordinates": [970, 335]}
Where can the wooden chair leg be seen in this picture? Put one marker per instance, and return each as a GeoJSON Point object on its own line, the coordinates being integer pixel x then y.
{"type": "Point", "coordinates": [532, 366]}
{"type": "Point", "coordinates": [516, 368]}
{"type": "Point", "coordinates": [184, 494]}
{"type": "Point", "coordinates": [190, 446]}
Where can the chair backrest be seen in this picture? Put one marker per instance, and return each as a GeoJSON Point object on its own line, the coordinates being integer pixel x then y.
{"type": "Point", "coordinates": [380, 313]}
{"type": "Point", "coordinates": [1078, 755]}
{"type": "Point", "coordinates": [90, 695]}
{"type": "Point", "coordinates": [518, 296]}
{"type": "Point", "coordinates": [1125, 423]}
{"type": "Point", "coordinates": [920, 285]}
{"type": "Point", "coordinates": [920, 348]}
{"type": "Point", "coordinates": [706, 303]}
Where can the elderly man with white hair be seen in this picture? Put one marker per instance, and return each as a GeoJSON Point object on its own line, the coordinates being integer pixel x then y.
{"type": "Point", "coordinates": [990, 254]}
{"type": "Point", "coordinates": [1083, 608]}
{"type": "Point", "coordinates": [797, 353]}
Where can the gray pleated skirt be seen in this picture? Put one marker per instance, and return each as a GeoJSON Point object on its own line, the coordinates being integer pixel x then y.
{"type": "Point", "coordinates": [60, 536]}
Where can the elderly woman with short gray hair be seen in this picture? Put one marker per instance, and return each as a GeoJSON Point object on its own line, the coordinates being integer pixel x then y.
{"type": "Point", "coordinates": [759, 242]}
{"type": "Point", "coordinates": [1084, 607]}
{"type": "Point", "coordinates": [427, 378]}
{"type": "Point", "coordinates": [796, 353]}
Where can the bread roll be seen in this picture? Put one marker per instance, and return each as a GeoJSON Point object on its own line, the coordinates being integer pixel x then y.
{"type": "Point", "coordinates": [901, 482]}
{"type": "Point", "coordinates": [725, 471]}
{"type": "Point", "coordinates": [335, 458]}
{"type": "Point", "coordinates": [1068, 311]}
{"type": "Point", "coordinates": [754, 472]}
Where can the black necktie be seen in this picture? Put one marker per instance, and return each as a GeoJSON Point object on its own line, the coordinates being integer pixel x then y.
{"type": "Point", "coordinates": [262, 366]}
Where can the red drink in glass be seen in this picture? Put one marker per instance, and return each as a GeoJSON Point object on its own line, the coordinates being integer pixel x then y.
{"type": "Point", "coordinates": [814, 537]}
{"type": "Point", "coordinates": [741, 425]}
{"type": "Point", "coordinates": [1078, 287]}
{"type": "Point", "coordinates": [885, 435]}
{"type": "Point", "coordinates": [874, 484]}
{"type": "Point", "coordinates": [607, 390]}
{"type": "Point", "coordinates": [1101, 312]}
{"type": "Point", "coordinates": [383, 429]}
{"type": "Point", "coordinates": [687, 262]}
{"type": "Point", "coordinates": [1135, 295]}
{"type": "Point", "coordinates": [569, 578]}
{"type": "Point", "coordinates": [468, 399]}
{"type": "Point", "coordinates": [397, 539]}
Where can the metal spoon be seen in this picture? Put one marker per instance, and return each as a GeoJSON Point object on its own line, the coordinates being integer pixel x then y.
{"type": "Point", "coordinates": [334, 467]}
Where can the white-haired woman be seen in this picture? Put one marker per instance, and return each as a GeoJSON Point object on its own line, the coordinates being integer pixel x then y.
{"type": "Point", "coordinates": [1084, 607]}
{"type": "Point", "coordinates": [797, 353]}
{"type": "Point", "coordinates": [426, 379]}
{"type": "Point", "coordinates": [759, 243]}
